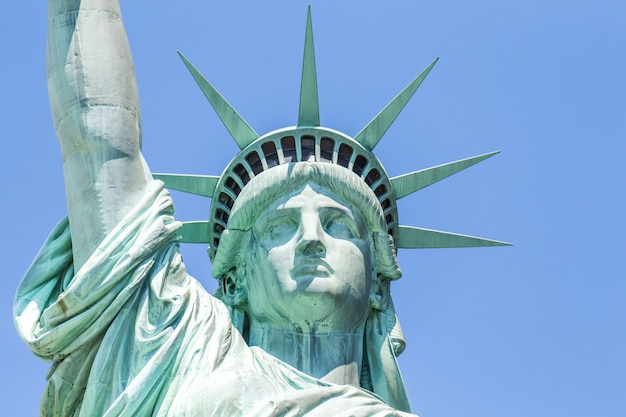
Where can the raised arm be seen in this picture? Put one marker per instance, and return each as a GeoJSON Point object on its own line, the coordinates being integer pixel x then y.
{"type": "Point", "coordinates": [95, 107]}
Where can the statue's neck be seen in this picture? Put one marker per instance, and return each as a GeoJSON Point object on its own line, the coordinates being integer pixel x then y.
{"type": "Point", "coordinates": [334, 357]}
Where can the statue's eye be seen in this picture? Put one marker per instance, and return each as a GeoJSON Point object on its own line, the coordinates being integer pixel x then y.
{"type": "Point", "coordinates": [341, 225]}
{"type": "Point", "coordinates": [279, 230]}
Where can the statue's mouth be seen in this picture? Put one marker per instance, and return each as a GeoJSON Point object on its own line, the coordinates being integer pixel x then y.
{"type": "Point", "coordinates": [316, 267]}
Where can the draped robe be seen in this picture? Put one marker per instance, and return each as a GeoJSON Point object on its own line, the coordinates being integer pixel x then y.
{"type": "Point", "coordinates": [132, 334]}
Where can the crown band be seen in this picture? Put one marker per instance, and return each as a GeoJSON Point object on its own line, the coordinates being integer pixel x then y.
{"type": "Point", "coordinates": [298, 144]}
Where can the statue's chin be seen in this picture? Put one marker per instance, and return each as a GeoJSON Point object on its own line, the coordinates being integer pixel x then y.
{"type": "Point", "coordinates": [314, 309]}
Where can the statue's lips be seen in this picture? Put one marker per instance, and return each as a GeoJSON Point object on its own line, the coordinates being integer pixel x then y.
{"type": "Point", "coordinates": [312, 267]}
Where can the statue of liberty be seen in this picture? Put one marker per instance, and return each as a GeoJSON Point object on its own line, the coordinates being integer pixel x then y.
{"type": "Point", "coordinates": [302, 233]}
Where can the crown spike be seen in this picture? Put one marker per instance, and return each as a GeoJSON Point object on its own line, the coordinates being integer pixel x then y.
{"type": "Point", "coordinates": [406, 184]}
{"type": "Point", "coordinates": [371, 134]}
{"type": "Point", "coordinates": [203, 185]}
{"type": "Point", "coordinates": [239, 129]}
{"type": "Point", "coordinates": [195, 232]}
{"type": "Point", "coordinates": [309, 114]}
{"type": "Point", "coordinates": [417, 238]}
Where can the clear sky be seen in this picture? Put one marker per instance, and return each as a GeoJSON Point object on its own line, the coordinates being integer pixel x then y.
{"type": "Point", "coordinates": [537, 329]}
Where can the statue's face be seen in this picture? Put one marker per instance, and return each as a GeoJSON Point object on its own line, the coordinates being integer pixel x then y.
{"type": "Point", "coordinates": [311, 263]}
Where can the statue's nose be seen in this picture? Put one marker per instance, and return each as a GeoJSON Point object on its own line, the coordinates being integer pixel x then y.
{"type": "Point", "coordinates": [312, 240]}
{"type": "Point", "coordinates": [312, 248]}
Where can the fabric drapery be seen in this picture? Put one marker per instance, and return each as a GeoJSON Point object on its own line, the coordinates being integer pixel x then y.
{"type": "Point", "coordinates": [133, 334]}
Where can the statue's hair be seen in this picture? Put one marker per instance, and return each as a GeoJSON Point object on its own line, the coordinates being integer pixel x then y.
{"type": "Point", "coordinates": [282, 180]}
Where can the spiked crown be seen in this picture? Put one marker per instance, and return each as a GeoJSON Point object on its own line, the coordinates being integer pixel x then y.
{"type": "Point", "coordinates": [309, 142]}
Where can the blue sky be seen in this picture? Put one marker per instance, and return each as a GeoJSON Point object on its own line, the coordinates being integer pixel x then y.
{"type": "Point", "coordinates": [537, 329]}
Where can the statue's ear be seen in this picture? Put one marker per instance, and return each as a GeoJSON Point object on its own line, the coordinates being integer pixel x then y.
{"type": "Point", "coordinates": [235, 294]}
{"type": "Point", "coordinates": [379, 294]}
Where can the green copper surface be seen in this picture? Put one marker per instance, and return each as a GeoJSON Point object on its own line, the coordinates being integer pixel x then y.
{"type": "Point", "coordinates": [309, 114]}
{"type": "Point", "coordinates": [239, 129]}
{"type": "Point", "coordinates": [418, 238]}
{"type": "Point", "coordinates": [203, 185]}
{"type": "Point", "coordinates": [406, 184]}
{"type": "Point", "coordinates": [371, 134]}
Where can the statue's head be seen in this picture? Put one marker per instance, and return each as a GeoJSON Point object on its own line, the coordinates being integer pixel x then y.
{"type": "Point", "coordinates": [259, 235]}
{"type": "Point", "coordinates": [306, 243]}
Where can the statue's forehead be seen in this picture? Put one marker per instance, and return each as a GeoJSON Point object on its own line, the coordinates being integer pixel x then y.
{"type": "Point", "coordinates": [310, 195]}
